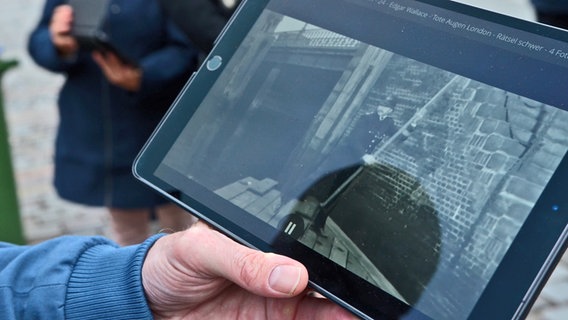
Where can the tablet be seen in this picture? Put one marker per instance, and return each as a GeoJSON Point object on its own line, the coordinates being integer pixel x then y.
{"type": "Point", "coordinates": [90, 27]}
{"type": "Point", "coordinates": [411, 154]}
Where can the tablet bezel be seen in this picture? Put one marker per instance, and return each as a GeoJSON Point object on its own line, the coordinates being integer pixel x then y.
{"type": "Point", "coordinates": [537, 246]}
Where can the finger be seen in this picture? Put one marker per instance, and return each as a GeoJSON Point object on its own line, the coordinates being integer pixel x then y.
{"type": "Point", "coordinates": [100, 60]}
{"type": "Point", "coordinates": [264, 274]}
{"type": "Point", "coordinates": [110, 63]}
{"type": "Point", "coordinates": [114, 60]}
{"type": "Point", "coordinates": [107, 69]}
{"type": "Point", "coordinates": [63, 18]}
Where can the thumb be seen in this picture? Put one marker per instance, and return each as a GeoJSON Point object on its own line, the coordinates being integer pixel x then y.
{"type": "Point", "coordinates": [265, 274]}
{"type": "Point", "coordinates": [99, 59]}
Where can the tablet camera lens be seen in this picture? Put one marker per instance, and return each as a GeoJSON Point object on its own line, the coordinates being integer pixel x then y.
{"type": "Point", "coordinates": [555, 208]}
{"type": "Point", "coordinates": [214, 63]}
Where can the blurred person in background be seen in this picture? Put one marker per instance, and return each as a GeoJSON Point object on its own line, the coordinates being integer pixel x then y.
{"type": "Point", "coordinates": [108, 107]}
{"type": "Point", "coordinates": [552, 12]}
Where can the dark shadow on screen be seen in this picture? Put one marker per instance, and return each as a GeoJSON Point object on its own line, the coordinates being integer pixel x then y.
{"type": "Point", "coordinates": [387, 214]}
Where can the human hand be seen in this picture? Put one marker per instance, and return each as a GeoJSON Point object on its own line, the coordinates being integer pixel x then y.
{"type": "Point", "coordinates": [202, 274]}
{"type": "Point", "coordinates": [60, 30]}
{"type": "Point", "coordinates": [118, 72]}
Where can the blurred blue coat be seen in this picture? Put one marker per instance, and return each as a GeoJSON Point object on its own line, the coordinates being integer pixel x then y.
{"type": "Point", "coordinates": [102, 127]}
{"type": "Point", "coordinates": [551, 6]}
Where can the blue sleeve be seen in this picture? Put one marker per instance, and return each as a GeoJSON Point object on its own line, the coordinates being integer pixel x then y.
{"type": "Point", "coordinates": [170, 64]}
{"type": "Point", "coordinates": [41, 48]}
{"type": "Point", "coordinates": [73, 278]}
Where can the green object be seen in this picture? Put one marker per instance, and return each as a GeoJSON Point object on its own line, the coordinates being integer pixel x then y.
{"type": "Point", "coordinates": [10, 223]}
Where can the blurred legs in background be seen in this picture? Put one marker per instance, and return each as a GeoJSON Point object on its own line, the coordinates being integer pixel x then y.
{"type": "Point", "coordinates": [132, 226]}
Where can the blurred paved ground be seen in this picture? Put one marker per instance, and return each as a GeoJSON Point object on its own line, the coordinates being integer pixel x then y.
{"type": "Point", "coordinates": [31, 113]}
{"type": "Point", "coordinates": [30, 103]}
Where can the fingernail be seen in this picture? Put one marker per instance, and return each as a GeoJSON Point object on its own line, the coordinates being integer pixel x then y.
{"type": "Point", "coordinates": [284, 279]}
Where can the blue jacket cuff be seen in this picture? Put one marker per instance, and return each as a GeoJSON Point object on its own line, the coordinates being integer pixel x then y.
{"type": "Point", "coordinates": [106, 283]}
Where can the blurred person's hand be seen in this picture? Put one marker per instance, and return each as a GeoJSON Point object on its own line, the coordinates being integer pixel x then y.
{"type": "Point", "coordinates": [60, 30]}
{"type": "Point", "coordinates": [118, 72]}
{"type": "Point", "coordinates": [201, 274]}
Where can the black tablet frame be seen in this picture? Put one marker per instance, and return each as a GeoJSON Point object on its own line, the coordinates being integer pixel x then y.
{"type": "Point", "coordinates": [537, 247]}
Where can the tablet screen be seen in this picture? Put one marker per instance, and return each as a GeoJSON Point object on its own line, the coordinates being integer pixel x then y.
{"type": "Point", "coordinates": [404, 142]}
